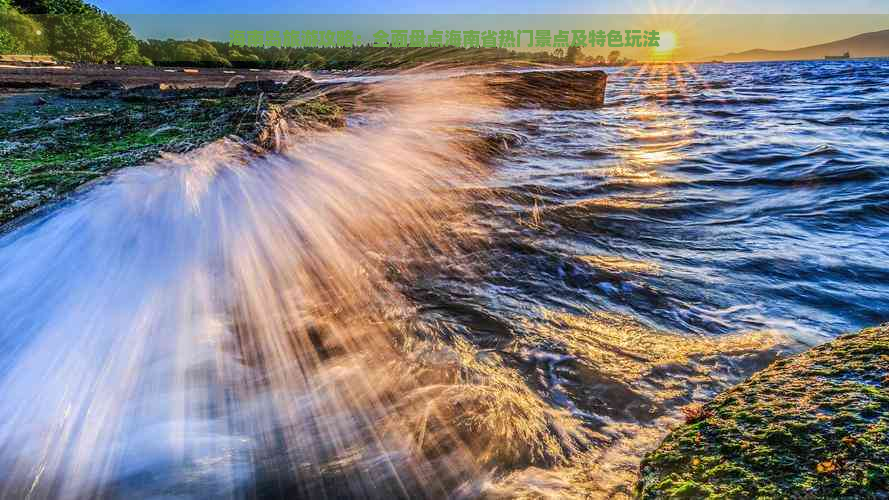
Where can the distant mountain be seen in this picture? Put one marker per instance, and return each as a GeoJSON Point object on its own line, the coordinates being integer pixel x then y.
{"type": "Point", "coordinates": [875, 44]}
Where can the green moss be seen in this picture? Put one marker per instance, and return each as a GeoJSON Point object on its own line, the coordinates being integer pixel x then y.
{"type": "Point", "coordinates": [49, 150]}
{"type": "Point", "coordinates": [815, 425]}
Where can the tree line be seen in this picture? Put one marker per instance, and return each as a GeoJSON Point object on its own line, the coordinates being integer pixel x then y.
{"type": "Point", "coordinates": [72, 30]}
{"type": "Point", "coordinates": [221, 54]}
{"type": "Point", "coordinates": [205, 53]}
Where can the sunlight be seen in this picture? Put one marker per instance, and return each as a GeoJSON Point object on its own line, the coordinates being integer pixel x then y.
{"type": "Point", "coordinates": [667, 43]}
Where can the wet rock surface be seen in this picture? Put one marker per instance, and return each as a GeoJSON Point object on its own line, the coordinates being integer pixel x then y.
{"type": "Point", "coordinates": [104, 85]}
{"type": "Point", "coordinates": [151, 92]}
{"type": "Point", "coordinates": [76, 136]}
{"type": "Point", "coordinates": [812, 426]}
{"type": "Point", "coordinates": [75, 76]}
{"type": "Point", "coordinates": [257, 87]}
{"type": "Point", "coordinates": [550, 89]}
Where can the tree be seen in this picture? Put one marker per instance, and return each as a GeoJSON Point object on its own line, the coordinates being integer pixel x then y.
{"type": "Point", "coordinates": [613, 56]}
{"type": "Point", "coordinates": [574, 54]}
{"type": "Point", "coordinates": [85, 36]}
{"type": "Point", "coordinates": [75, 29]}
{"type": "Point", "coordinates": [125, 45]}
{"type": "Point", "coordinates": [314, 60]}
{"type": "Point", "coordinates": [42, 7]}
{"type": "Point", "coordinates": [239, 59]}
{"type": "Point", "coordinates": [8, 44]}
{"type": "Point", "coordinates": [19, 33]}
{"type": "Point", "coordinates": [136, 59]}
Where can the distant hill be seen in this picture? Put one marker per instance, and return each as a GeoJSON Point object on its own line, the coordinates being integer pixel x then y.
{"type": "Point", "coordinates": [875, 44]}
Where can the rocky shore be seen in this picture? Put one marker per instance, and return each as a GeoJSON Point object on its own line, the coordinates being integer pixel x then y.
{"type": "Point", "coordinates": [811, 426]}
{"type": "Point", "coordinates": [54, 140]}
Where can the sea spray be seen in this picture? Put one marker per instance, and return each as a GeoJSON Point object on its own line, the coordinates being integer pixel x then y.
{"type": "Point", "coordinates": [220, 319]}
{"type": "Point", "coordinates": [227, 324]}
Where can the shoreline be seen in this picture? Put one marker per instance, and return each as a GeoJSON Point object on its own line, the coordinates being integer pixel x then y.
{"type": "Point", "coordinates": [816, 423]}
{"type": "Point", "coordinates": [58, 140]}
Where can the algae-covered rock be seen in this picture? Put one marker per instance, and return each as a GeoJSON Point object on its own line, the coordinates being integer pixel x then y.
{"type": "Point", "coordinates": [151, 92]}
{"type": "Point", "coordinates": [48, 151]}
{"type": "Point", "coordinates": [256, 87]}
{"type": "Point", "coordinates": [109, 85]}
{"type": "Point", "coordinates": [812, 426]}
{"type": "Point", "coordinates": [97, 89]}
{"type": "Point", "coordinates": [299, 83]}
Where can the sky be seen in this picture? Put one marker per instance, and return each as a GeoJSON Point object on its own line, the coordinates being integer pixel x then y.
{"type": "Point", "coordinates": [704, 29]}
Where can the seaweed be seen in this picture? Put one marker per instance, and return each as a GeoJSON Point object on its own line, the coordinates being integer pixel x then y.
{"type": "Point", "coordinates": [815, 425]}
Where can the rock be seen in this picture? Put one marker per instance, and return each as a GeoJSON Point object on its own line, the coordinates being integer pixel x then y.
{"type": "Point", "coordinates": [104, 85]}
{"type": "Point", "coordinates": [298, 84]}
{"type": "Point", "coordinates": [90, 139]}
{"type": "Point", "coordinates": [811, 426]}
{"type": "Point", "coordinates": [270, 124]}
{"type": "Point", "coordinates": [151, 93]}
{"type": "Point", "coordinates": [96, 89]}
{"type": "Point", "coordinates": [493, 144]}
{"type": "Point", "coordinates": [40, 101]}
{"type": "Point", "coordinates": [257, 86]}
{"type": "Point", "coordinates": [153, 87]}
{"type": "Point", "coordinates": [561, 89]}
{"type": "Point", "coordinates": [13, 84]}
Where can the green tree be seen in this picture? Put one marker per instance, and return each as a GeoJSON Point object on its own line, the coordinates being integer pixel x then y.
{"type": "Point", "coordinates": [239, 59]}
{"type": "Point", "coordinates": [85, 36]}
{"type": "Point", "coordinates": [136, 59]}
{"type": "Point", "coordinates": [42, 7]}
{"type": "Point", "coordinates": [74, 29]}
{"type": "Point", "coordinates": [125, 45]}
{"type": "Point", "coordinates": [19, 32]}
{"type": "Point", "coordinates": [314, 60]}
{"type": "Point", "coordinates": [8, 44]}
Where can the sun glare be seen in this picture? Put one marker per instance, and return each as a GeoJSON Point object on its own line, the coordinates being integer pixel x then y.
{"type": "Point", "coordinates": [667, 43]}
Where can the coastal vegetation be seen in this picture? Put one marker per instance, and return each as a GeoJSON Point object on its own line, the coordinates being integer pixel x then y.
{"type": "Point", "coordinates": [220, 54]}
{"type": "Point", "coordinates": [816, 425]}
{"type": "Point", "coordinates": [68, 29]}
{"type": "Point", "coordinates": [75, 137]}
{"type": "Point", "coordinates": [71, 30]}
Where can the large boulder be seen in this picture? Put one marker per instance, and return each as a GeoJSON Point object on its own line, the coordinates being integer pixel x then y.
{"type": "Point", "coordinates": [152, 92]}
{"type": "Point", "coordinates": [254, 87]}
{"type": "Point", "coordinates": [298, 84]}
{"type": "Point", "coordinates": [557, 89]}
{"type": "Point", "coordinates": [812, 426]}
{"type": "Point", "coordinates": [96, 89]}
{"type": "Point", "coordinates": [104, 85]}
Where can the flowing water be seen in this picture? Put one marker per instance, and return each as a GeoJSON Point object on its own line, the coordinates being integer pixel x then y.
{"type": "Point", "coordinates": [385, 311]}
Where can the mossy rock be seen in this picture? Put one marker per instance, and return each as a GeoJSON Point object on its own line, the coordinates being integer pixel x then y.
{"type": "Point", "coordinates": [811, 426]}
{"type": "Point", "coordinates": [49, 151]}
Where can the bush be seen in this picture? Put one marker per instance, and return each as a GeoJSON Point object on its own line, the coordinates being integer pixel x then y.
{"type": "Point", "coordinates": [135, 59]}
{"type": "Point", "coordinates": [20, 33]}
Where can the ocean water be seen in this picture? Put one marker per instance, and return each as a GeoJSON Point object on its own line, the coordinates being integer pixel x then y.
{"type": "Point", "coordinates": [381, 312]}
{"type": "Point", "coordinates": [757, 191]}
